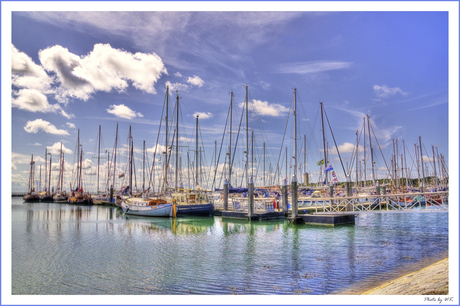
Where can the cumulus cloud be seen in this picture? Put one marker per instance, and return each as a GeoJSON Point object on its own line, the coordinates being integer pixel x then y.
{"type": "Point", "coordinates": [70, 125]}
{"type": "Point", "coordinates": [263, 108]}
{"type": "Point", "coordinates": [176, 86]}
{"type": "Point", "coordinates": [39, 124]}
{"type": "Point", "coordinates": [34, 101]}
{"type": "Point", "coordinates": [103, 69]}
{"type": "Point", "coordinates": [56, 149]}
{"type": "Point", "coordinates": [178, 74]}
{"type": "Point", "coordinates": [313, 67]}
{"type": "Point", "coordinates": [18, 158]}
{"type": "Point", "coordinates": [202, 115]}
{"type": "Point", "coordinates": [160, 149]}
{"type": "Point", "coordinates": [384, 91]}
{"type": "Point", "coordinates": [123, 111]}
{"type": "Point", "coordinates": [195, 80]}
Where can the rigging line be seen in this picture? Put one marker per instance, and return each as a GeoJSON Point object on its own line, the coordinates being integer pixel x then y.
{"type": "Point", "coordinates": [236, 142]}
{"type": "Point", "coordinates": [220, 150]}
{"type": "Point", "coordinates": [380, 149]}
{"type": "Point", "coordinates": [337, 148]}
{"type": "Point", "coordinates": [152, 172]}
{"type": "Point", "coordinates": [278, 170]}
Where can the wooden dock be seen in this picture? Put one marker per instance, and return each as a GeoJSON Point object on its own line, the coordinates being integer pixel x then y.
{"type": "Point", "coordinates": [257, 215]}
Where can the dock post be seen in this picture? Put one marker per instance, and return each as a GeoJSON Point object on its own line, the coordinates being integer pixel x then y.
{"type": "Point", "coordinates": [225, 194]}
{"type": "Point", "coordinates": [384, 189]}
{"type": "Point", "coordinates": [421, 187]}
{"type": "Point", "coordinates": [284, 195]}
{"type": "Point", "coordinates": [111, 193]}
{"type": "Point", "coordinates": [377, 188]}
{"type": "Point", "coordinates": [250, 198]}
{"type": "Point", "coordinates": [348, 207]}
{"type": "Point", "coordinates": [294, 197]}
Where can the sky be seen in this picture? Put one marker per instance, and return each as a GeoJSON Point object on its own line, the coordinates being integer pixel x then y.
{"type": "Point", "coordinates": [75, 70]}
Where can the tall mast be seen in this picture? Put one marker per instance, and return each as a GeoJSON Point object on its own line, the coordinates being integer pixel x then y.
{"type": "Point", "coordinates": [252, 154]}
{"type": "Point", "coordinates": [418, 164]}
{"type": "Point", "coordinates": [305, 158]}
{"type": "Point", "coordinates": [264, 167]}
{"type": "Point", "coordinates": [40, 184]}
{"type": "Point", "coordinates": [372, 152]}
{"type": "Point", "coordinates": [166, 137]}
{"type": "Point", "coordinates": [434, 167]}
{"type": "Point", "coordinates": [177, 141]}
{"type": "Point", "coordinates": [80, 180]}
{"type": "Point", "coordinates": [394, 163]}
{"type": "Point", "coordinates": [405, 164]}
{"type": "Point", "coordinates": [196, 155]}
{"type": "Point", "coordinates": [78, 160]}
{"type": "Point", "coordinates": [357, 161]}
{"type": "Point", "coordinates": [295, 133]}
{"type": "Point", "coordinates": [364, 147]}
{"type": "Point", "coordinates": [98, 157]}
{"type": "Point", "coordinates": [247, 133]}
{"type": "Point", "coordinates": [115, 157]}
{"type": "Point", "coordinates": [130, 143]}
{"type": "Point", "coordinates": [324, 141]}
{"type": "Point", "coordinates": [143, 167]}
{"type": "Point", "coordinates": [46, 166]}
{"type": "Point", "coordinates": [421, 158]}
{"type": "Point", "coordinates": [49, 181]}
{"type": "Point", "coordinates": [286, 163]}
{"type": "Point", "coordinates": [62, 172]}
{"type": "Point", "coordinates": [60, 178]}
{"type": "Point", "coordinates": [230, 145]}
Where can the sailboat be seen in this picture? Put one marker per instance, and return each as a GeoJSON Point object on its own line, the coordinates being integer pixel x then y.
{"type": "Point", "coordinates": [144, 206]}
{"type": "Point", "coordinates": [60, 196]}
{"type": "Point", "coordinates": [31, 196]}
{"type": "Point", "coordinates": [79, 197]}
{"type": "Point", "coordinates": [46, 195]}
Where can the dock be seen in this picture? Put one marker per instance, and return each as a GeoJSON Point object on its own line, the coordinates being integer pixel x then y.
{"type": "Point", "coordinates": [257, 215]}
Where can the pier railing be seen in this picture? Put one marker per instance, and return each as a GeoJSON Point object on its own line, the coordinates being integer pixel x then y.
{"type": "Point", "coordinates": [389, 202]}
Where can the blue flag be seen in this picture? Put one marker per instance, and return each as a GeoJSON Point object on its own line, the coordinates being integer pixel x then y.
{"type": "Point", "coordinates": [328, 168]}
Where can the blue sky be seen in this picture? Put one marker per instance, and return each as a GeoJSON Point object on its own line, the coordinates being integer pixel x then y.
{"type": "Point", "coordinates": [78, 70]}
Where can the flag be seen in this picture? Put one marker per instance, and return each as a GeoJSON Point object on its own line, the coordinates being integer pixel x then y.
{"type": "Point", "coordinates": [328, 168]}
{"type": "Point", "coordinates": [321, 162]}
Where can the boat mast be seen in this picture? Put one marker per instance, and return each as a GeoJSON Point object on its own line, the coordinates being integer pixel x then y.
{"type": "Point", "coordinates": [196, 155]}
{"type": "Point", "coordinates": [115, 157]}
{"type": "Point", "coordinates": [230, 145]}
{"type": "Point", "coordinates": [405, 164]}
{"type": "Point", "coordinates": [305, 159]}
{"type": "Point", "coordinates": [177, 140]}
{"type": "Point", "coordinates": [357, 162]}
{"type": "Point", "coordinates": [247, 134]}
{"type": "Point", "coordinates": [80, 180]}
{"type": "Point", "coordinates": [372, 151]}
{"type": "Point", "coordinates": [98, 157]}
{"type": "Point", "coordinates": [295, 134]}
{"type": "Point", "coordinates": [324, 141]}
{"type": "Point", "coordinates": [165, 179]}
{"type": "Point", "coordinates": [143, 167]}
{"type": "Point", "coordinates": [78, 160]}
{"type": "Point", "coordinates": [434, 167]}
{"type": "Point", "coordinates": [252, 154]}
{"type": "Point", "coordinates": [46, 167]}
{"type": "Point", "coordinates": [364, 146]}
{"type": "Point", "coordinates": [40, 184]}
{"type": "Point", "coordinates": [421, 158]}
{"type": "Point", "coordinates": [264, 167]}
{"type": "Point", "coordinates": [130, 143]}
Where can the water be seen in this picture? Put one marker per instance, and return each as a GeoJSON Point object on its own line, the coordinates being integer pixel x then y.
{"type": "Point", "coordinates": [64, 249]}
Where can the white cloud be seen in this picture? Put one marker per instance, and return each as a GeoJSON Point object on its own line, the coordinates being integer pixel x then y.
{"type": "Point", "coordinates": [103, 69]}
{"type": "Point", "coordinates": [178, 74]}
{"type": "Point", "coordinates": [195, 80]}
{"type": "Point", "coordinates": [263, 108]}
{"type": "Point", "coordinates": [202, 115]}
{"type": "Point", "coordinates": [56, 149]}
{"type": "Point", "coordinates": [27, 74]}
{"type": "Point", "coordinates": [313, 67]}
{"type": "Point", "coordinates": [18, 158]}
{"type": "Point", "coordinates": [160, 149]}
{"type": "Point", "coordinates": [176, 86]}
{"type": "Point", "coordinates": [39, 124]}
{"type": "Point", "coordinates": [34, 101]}
{"type": "Point", "coordinates": [70, 125]}
{"type": "Point", "coordinates": [384, 91]}
{"type": "Point", "coordinates": [123, 111]}
{"type": "Point", "coordinates": [37, 144]}
{"type": "Point", "coordinates": [13, 167]}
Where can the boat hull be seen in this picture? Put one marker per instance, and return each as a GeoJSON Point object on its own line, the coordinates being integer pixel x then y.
{"type": "Point", "coordinates": [164, 210]}
{"type": "Point", "coordinates": [31, 198]}
{"type": "Point", "coordinates": [195, 210]}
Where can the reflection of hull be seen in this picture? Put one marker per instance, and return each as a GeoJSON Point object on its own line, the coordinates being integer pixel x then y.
{"type": "Point", "coordinates": [31, 198]}
{"type": "Point", "coordinates": [162, 210]}
{"type": "Point", "coordinates": [195, 210]}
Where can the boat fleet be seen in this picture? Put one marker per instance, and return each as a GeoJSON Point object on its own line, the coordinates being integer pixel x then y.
{"type": "Point", "coordinates": [170, 201]}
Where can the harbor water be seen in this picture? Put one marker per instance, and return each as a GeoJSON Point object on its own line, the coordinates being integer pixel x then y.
{"type": "Point", "coordinates": [61, 249]}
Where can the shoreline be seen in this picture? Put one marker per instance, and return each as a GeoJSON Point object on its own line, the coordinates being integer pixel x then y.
{"type": "Point", "coordinates": [426, 277]}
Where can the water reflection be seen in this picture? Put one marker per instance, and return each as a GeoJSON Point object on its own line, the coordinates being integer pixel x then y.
{"type": "Point", "coordinates": [63, 249]}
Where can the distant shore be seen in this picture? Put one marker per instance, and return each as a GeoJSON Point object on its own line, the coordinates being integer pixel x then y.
{"type": "Point", "coordinates": [427, 277]}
